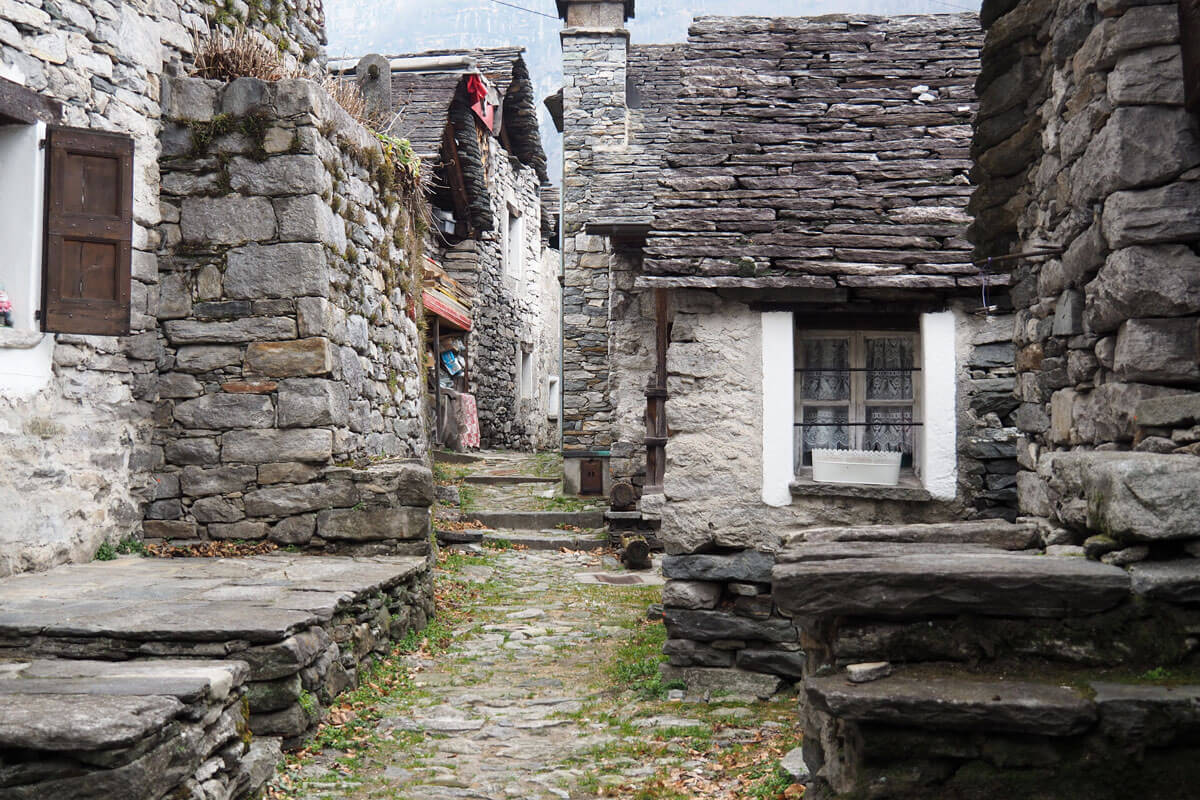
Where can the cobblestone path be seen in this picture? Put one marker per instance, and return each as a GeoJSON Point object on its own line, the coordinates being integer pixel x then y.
{"type": "Point", "coordinates": [538, 682]}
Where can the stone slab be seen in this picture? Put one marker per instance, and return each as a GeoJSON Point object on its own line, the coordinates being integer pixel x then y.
{"type": "Point", "coordinates": [1168, 581]}
{"type": "Point", "coordinates": [903, 587]}
{"type": "Point", "coordinates": [949, 704]}
{"type": "Point", "coordinates": [537, 520]}
{"type": "Point", "coordinates": [67, 706]}
{"type": "Point", "coordinates": [260, 599]}
{"type": "Point", "coordinates": [835, 551]}
{"type": "Point", "coordinates": [735, 682]}
{"type": "Point", "coordinates": [751, 566]}
{"type": "Point", "coordinates": [992, 533]}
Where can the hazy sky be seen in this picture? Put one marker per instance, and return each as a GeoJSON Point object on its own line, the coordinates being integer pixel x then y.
{"type": "Point", "coordinates": [390, 27]}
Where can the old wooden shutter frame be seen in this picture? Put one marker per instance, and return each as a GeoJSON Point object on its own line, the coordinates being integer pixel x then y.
{"type": "Point", "coordinates": [89, 232]}
{"type": "Point", "coordinates": [1189, 37]}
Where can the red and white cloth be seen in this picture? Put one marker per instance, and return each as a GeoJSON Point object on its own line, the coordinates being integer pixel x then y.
{"type": "Point", "coordinates": [468, 421]}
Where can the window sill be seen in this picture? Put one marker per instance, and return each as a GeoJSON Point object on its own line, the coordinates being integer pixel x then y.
{"type": "Point", "coordinates": [18, 339]}
{"type": "Point", "coordinates": [909, 489]}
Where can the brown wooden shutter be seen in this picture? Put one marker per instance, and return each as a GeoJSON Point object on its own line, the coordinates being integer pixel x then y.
{"type": "Point", "coordinates": [1189, 37]}
{"type": "Point", "coordinates": [89, 230]}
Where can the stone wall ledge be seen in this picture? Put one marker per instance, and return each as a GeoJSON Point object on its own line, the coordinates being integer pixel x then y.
{"type": "Point", "coordinates": [145, 729]}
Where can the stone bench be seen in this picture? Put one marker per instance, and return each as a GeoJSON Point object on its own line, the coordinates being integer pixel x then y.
{"type": "Point", "coordinates": [90, 730]}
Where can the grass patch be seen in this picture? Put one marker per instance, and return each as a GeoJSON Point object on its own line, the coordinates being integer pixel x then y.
{"type": "Point", "coordinates": [637, 662]}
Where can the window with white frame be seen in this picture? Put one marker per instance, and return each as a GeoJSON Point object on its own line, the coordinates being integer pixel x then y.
{"type": "Point", "coordinates": [526, 376]}
{"type": "Point", "coordinates": [514, 245]}
{"type": "Point", "coordinates": [553, 398]}
{"type": "Point", "coordinates": [856, 390]}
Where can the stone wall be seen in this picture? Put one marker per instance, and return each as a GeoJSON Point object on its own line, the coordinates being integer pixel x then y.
{"type": "Point", "coordinates": [510, 314]}
{"type": "Point", "coordinates": [286, 305]}
{"type": "Point", "coordinates": [594, 124]}
{"type": "Point", "coordinates": [79, 449]}
{"type": "Point", "coordinates": [1084, 145]}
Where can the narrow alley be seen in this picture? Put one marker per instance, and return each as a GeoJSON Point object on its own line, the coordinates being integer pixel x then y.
{"type": "Point", "coordinates": [539, 679]}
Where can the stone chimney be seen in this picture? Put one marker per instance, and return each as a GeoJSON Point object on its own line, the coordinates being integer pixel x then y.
{"type": "Point", "coordinates": [595, 47]}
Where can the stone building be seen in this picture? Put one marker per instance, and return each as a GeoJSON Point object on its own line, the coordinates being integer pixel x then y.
{"type": "Point", "coordinates": [491, 233]}
{"type": "Point", "coordinates": [1061, 670]}
{"type": "Point", "coordinates": [784, 200]}
{"type": "Point", "coordinates": [77, 405]}
{"type": "Point", "coordinates": [213, 289]}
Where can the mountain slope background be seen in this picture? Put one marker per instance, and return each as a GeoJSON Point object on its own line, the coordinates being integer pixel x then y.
{"type": "Point", "coordinates": [392, 27]}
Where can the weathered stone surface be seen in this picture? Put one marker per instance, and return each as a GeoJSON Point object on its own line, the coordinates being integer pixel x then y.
{"type": "Point", "coordinates": [280, 175]}
{"type": "Point", "coordinates": [1175, 582]}
{"type": "Point", "coordinates": [900, 587]}
{"type": "Point", "coordinates": [868, 671]}
{"type": "Point", "coordinates": [243, 529]}
{"type": "Point", "coordinates": [294, 530]}
{"type": "Point", "coordinates": [289, 722]}
{"type": "Point", "coordinates": [287, 472]}
{"type": "Point", "coordinates": [62, 723]}
{"type": "Point", "coordinates": [365, 525]}
{"type": "Point", "coordinates": [273, 695]}
{"type": "Point", "coordinates": [178, 385]}
{"type": "Point", "coordinates": [736, 682]}
{"type": "Point", "coordinates": [193, 451]}
{"type": "Point", "coordinates": [276, 270]}
{"type": "Point", "coordinates": [1167, 412]}
{"type": "Point", "coordinates": [710, 626]}
{"type": "Point", "coordinates": [993, 533]}
{"type": "Point", "coordinates": [1106, 414]}
{"type": "Point", "coordinates": [787, 664]}
{"type": "Point", "coordinates": [801, 552]}
{"type": "Point", "coordinates": [216, 509]}
{"type": "Point", "coordinates": [1148, 76]}
{"type": "Point", "coordinates": [227, 220]}
{"type": "Point", "coordinates": [268, 446]}
{"type": "Point", "coordinates": [1167, 214]}
{"type": "Point", "coordinates": [308, 218]}
{"type": "Point", "coordinates": [181, 331]}
{"type": "Point", "coordinates": [223, 411]}
{"type": "Point", "coordinates": [1162, 281]}
{"type": "Point", "coordinates": [1143, 497]}
{"type": "Point", "coordinates": [311, 403]}
{"type": "Point", "coordinates": [288, 656]}
{"type": "Point", "coordinates": [1148, 716]}
{"type": "Point", "coordinates": [298, 358]}
{"type": "Point", "coordinates": [747, 565]}
{"type": "Point", "coordinates": [691, 594]}
{"type": "Point", "coordinates": [687, 653]}
{"type": "Point", "coordinates": [965, 705]}
{"type": "Point", "coordinates": [405, 483]}
{"type": "Point", "coordinates": [1142, 145]}
{"type": "Point", "coordinates": [285, 501]}
{"type": "Point", "coordinates": [203, 358]}
{"type": "Point", "coordinates": [1162, 351]}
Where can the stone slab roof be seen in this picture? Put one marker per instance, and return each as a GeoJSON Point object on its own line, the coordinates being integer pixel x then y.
{"type": "Point", "coordinates": [833, 150]}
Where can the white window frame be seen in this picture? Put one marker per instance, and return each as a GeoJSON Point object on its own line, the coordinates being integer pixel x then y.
{"type": "Point", "coordinates": [939, 385]}
{"type": "Point", "coordinates": [514, 245]}
{"type": "Point", "coordinates": [552, 395]}
{"type": "Point", "coordinates": [857, 403]}
{"type": "Point", "coordinates": [524, 374]}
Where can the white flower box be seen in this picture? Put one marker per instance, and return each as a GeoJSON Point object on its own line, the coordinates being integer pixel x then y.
{"type": "Point", "coordinates": [870, 467]}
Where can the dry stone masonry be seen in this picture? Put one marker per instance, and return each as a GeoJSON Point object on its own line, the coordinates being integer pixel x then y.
{"type": "Point", "coordinates": [82, 439]}
{"type": "Point", "coordinates": [92, 730]}
{"type": "Point", "coordinates": [1018, 673]}
{"type": "Point", "coordinates": [285, 308]}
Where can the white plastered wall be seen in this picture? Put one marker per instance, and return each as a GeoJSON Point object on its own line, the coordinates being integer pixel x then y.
{"type": "Point", "coordinates": [25, 354]}
{"type": "Point", "coordinates": [939, 447]}
{"type": "Point", "coordinates": [778, 385]}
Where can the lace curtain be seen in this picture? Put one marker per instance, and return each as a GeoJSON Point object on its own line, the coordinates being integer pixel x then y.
{"type": "Point", "coordinates": [889, 369]}
{"type": "Point", "coordinates": [826, 373]}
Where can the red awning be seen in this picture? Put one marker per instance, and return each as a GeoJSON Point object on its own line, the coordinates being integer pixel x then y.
{"type": "Point", "coordinates": [447, 309]}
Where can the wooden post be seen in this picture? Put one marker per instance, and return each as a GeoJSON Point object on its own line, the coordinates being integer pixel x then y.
{"type": "Point", "coordinates": [656, 401]}
{"type": "Point", "coordinates": [437, 379]}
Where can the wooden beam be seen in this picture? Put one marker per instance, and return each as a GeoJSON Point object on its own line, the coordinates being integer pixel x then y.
{"type": "Point", "coordinates": [1189, 37]}
{"type": "Point", "coordinates": [18, 104]}
{"type": "Point", "coordinates": [458, 186]}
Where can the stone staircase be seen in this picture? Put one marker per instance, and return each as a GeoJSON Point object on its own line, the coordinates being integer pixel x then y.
{"type": "Point", "coordinates": [1003, 671]}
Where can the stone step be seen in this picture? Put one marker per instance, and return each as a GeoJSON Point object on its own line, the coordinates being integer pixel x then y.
{"type": "Point", "coordinates": [546, 540]}
{"type": "Point", "coordinates": [940, 704]}
{"type": "Point", "coordinates": [466, 536]}
{"type": "Point", "coordinates": [537, 520]}
{"type": "Point", "coordinates": [992, 533]}
{"type": "Point", "coordinates": [937, 583]}
{"type": "Point", "coordinates": [507, 480]}
{"type": "Point", "coordinates": [449, 457]}
{"type": "Point", "coordinates": [122, 724]}
{"type": "Point", "coordinates": [836, 551]}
